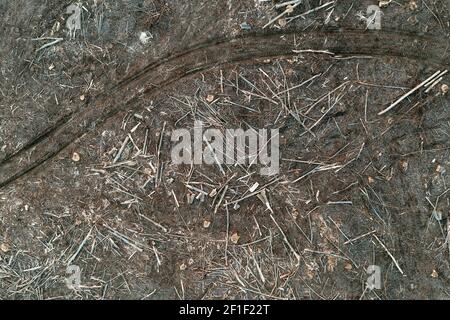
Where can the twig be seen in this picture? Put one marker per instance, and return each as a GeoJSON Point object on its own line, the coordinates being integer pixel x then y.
{"type": "Point", "coordinates": [297, 256]}
{"type": "Point", "coordinates": [360, 237]}
{"type": "Point", "coordinates": [57, 40]}
{"type": "Point", "coordinates": [390, 254]}
{"type": "Point", "coordinates": [124, 144]}
{"type": "Point", "coordinates": [72, 258]}
{"type": "Point", "coordinates": [284, 4]}
{"type": "Point", "coordinates": [226, 236]}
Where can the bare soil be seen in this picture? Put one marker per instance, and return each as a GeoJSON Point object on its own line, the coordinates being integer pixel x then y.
{"type": "Point", "coordinates": [355, 188]}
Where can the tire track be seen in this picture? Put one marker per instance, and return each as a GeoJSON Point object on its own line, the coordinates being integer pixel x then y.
{"type": "Point", "coordinates": [156, 76]}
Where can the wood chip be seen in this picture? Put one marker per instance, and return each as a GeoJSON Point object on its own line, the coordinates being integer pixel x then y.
{"type": "Point", "coordinates": [234, 238]}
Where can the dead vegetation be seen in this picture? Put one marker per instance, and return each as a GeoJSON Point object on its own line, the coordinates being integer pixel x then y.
{"type": "Point", "coordinates": [363, 181]}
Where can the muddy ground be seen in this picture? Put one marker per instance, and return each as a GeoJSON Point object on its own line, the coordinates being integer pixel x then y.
{"type": "Point", "coordinates": [86, 177]}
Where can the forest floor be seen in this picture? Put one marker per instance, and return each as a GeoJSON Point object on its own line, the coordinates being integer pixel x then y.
{"type": "Point", "coordinates": [87, 184]}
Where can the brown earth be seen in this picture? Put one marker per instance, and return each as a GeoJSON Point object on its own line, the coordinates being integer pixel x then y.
{"type": "Point", "coordinates": [355, 188]}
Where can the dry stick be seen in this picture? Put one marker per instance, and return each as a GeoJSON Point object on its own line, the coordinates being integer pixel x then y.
{"type": "Point", "coordinates": [125, 239]}
{"type": "Point", "coordinates": [161, 140]}
{"type": "Point", "coordinates": [175, 198]}
{"type": "Point", "coordinates": [124, 144]}
{"type": "Point", "coordinates": [221, 199]}
{"type": "Point", "coordinates": [288, 10]}
{"type": "Point", "coordinates": [390, 254]}
{"type": "Point", "coordinates": [145, 142]}
{"type": "Point", "coordinates": [284, 4]}
{"type": "Point", "coordinates": [297, 256]}
{"type": "Point", "coordinates": [409, 93]}
{"type": "Point", "coordinates": [360, 237]}
{"type": "Point", "coordinates": [261, 275]}
{"type": "Point", "coordinates": [324, 115]}
{"type": "Point", "coordinates": [57, 40]}
{"type": "Point", "coordinates": [314, 51]}
{"type": "Point", "coordinates": [196, 189]}
{"type": "Point", "coordinates": [311, 11]}
{"type": "Point", "coordinates": [72, 258]}
{"type": "Point", "coordinates": [435, 82]}
{"type": "Point", "coordinates": [253, 193]}
{"type": "Point", "coordinates": [310, 107]}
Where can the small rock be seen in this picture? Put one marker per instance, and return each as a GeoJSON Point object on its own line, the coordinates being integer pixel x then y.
{"type": "Point", "coordinates": [4, 247]}
{"type": "Point", "coordinates": [444, 89]}
{"type": "Point", "coordinates": [82, 97]}
{"type": "Point", "coordinates": [434, 274]}
{"type": "Point", "coordinates": [210, 98]}
{"type": "Point", "coordinates": [75, 157]}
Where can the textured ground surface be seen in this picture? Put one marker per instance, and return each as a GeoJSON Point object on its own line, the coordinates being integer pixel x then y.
{"type": "Point", "coordinates": [355, 188]}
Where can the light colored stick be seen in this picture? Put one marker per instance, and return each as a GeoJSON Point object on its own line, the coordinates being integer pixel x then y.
{"type": "Point", "coordinates": [124, 144]}
{"type": "Point", "coordinates": [297, 256]}
{"type": "Point", "coordinates": [434, 84]}
{"type": "Point", "coordinates": [390, 254]}
{"type": "Point", "coordinates": [311, 11]}
{"type": "Point", "coordinates": [57, 40]}
{"type": "Point", "coordinates": [72, 258]}
{"type": "Point", "coordinates": [360, 237]}
{"type": "Point", "coordinates": [439, 75]}
{"type": "Point", "coordinates": [284, 4]}
{"type": "Point", "coordinates": [228, 230]}
{"type": "Point", "coordinates": [409, 93]}
{"type": "Point", "coordinates": [281, 15]}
